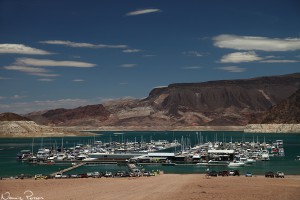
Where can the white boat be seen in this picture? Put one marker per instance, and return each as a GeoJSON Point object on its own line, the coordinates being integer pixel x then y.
{"type": "Point", "coordinates": [82, 156]}
{"type": "Point", "coordinates": [61, 156]}
{"type": "Point", "coordinates": [249, 161]}
{"type": "Point", "coordinates": [265, 157]}
{"type": "Point", "coordinates": [43, 153]}
{"type": "Point", "coordinates": [217, 162]}
{"type": "Point", "coordinates": [52, 157]}
{"type": "Point", "coordinates": [236, 164]}
{"type": "Point", "coordinates": [89, 159]}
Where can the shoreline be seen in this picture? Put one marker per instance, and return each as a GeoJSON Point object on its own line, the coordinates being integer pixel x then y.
{"type": "Point", "coordinates": [166, 186]}
{"type": "Point", "coordinates": [83, 131]}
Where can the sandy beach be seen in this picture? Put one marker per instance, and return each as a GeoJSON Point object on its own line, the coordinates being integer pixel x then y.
{"type": "Point", "coordinates": [167, 186]}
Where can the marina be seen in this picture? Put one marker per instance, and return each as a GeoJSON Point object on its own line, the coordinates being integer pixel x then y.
{"type": "Point", "coordinates": [154, 151]}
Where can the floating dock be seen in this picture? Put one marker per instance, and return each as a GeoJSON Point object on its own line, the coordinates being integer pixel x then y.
{"type": "Point", "coordinates": [69, 169]}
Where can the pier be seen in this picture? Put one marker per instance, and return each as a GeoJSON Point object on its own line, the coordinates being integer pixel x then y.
{"type": "Point", "coordinates": [132, 167]}
{"type": "Point", "coordinates": [69, 169]}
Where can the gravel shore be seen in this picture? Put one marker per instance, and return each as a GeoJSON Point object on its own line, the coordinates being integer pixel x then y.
{"type": "Point", "coordinates": [167, 186]}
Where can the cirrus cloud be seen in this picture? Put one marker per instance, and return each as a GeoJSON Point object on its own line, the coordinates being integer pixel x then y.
{"type": "Point", "coordinates": [142, 12]}
{"type": "Point", "coordinates": [46, 79]}
{"type": "Point", "coordinates": [31, 70]}
{"type": "Point", "coordinates": [36, 66]}
{"type": "Point", "coordinates": [128, 65]}
{"type": "Point", "coordinates": [26, 69]}
{"type": "Point", "coordinates": [192, 53]}
{"type": "Point", "coordinates": [131, 50]}
{"type": "Point", "coordinates": [83, 45]}
{"type": "Point", "coordinates": [78, 80]}
{"type": "Point", "coordinates": [52, 63]}
{"type": "Point", "coordinates": [256, 43]}
{"type": "Point", "coordinates": [279, 61]}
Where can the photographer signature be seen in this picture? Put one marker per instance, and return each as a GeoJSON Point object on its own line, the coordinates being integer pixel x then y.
{"type": "Point", "coordinates": [28, 195]}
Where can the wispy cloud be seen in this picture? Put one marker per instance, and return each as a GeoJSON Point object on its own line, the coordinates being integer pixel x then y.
{"type": "Point", "coordinates": [192, 67]}
{"type": "Point", "coordinates": [46, 79]}
{"type": "Point", "coordinates": [239, 57]}
{"type": "Point", "coordinates": [128, 65]}
{"type": "Point", "coordinates": [83, 45]}
{"type": "Point", "coordinates": [132, 50]}
{"type": "Point", "coordinates": [256, 43]}
{"type": "Point", "coordinates": [52, 63]}
{"type": "Point", "coordinates": [26, 69]}
{"type": "Point", "coordinates": [192, 53]}
{"type": "Point", "coordinates": [143, 11]}
{"type": "Point", "coordinates": [279, 61]}
{"type": "Point", "coordinates": [233, 69]}
{"type": "Point", "coordinates": [15, 97]}
{"type": "Point", "coordinates": [31, 70]}
{"type": "Point", "coordinates": [149, 55]}
{"type": "Point", "coordinates": [36, 66]}
{"type": "Point", "coordinates": [21, 49]}
{"type": "Point", "coordinates": [45, 74]}
{"type": "Point", "coordinates": [78, 80]}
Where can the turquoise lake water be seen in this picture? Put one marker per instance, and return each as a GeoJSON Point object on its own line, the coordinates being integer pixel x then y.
{"type": "Point", "coordinates": [9, 147]}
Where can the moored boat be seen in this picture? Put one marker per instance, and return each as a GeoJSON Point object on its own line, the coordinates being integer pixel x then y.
{"type": "Point", "coordinates": [24, 155]}
{"type": "Point", "coordinates": [236, 164]}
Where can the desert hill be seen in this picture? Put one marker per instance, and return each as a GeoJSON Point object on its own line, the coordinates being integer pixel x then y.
{"type": "Point", "coordinates": [213, 103]}
{"type": "Point", "coordinates": [14, 125]}
{"type": "Point", "coordinates": [12, 117]}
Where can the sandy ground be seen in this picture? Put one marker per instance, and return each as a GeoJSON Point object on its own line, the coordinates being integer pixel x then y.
{"type": "Point", "coordinates": [165, 187]}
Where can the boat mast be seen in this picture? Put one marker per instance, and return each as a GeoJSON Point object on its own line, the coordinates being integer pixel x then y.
{"type": "Point", "coordinates": [32, 146]}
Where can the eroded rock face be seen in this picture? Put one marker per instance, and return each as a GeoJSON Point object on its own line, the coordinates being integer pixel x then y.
{"type": "Point", "coordinates": [214, 103]}
{"type": "Point", "coordinates": [285, 112]}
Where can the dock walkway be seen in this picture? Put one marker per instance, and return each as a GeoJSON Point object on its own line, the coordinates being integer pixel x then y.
{"type": "Point", "coordinates": [131, 167]}
{"type": "Point", "coordinates": [69, 169]}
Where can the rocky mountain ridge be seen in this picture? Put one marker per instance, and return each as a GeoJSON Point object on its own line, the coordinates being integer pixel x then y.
{"type": "Point", "coordinates": [213, 103]}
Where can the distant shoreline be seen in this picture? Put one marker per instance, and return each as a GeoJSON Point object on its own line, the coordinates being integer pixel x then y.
{"type": "Point", "coordinates": [81, 131]}
{"type": "Point", "coordinates": [162, 128]}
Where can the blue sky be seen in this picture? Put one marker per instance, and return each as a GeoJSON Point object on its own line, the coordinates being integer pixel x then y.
{"type": "Point", "coordinates": [59, 53]}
